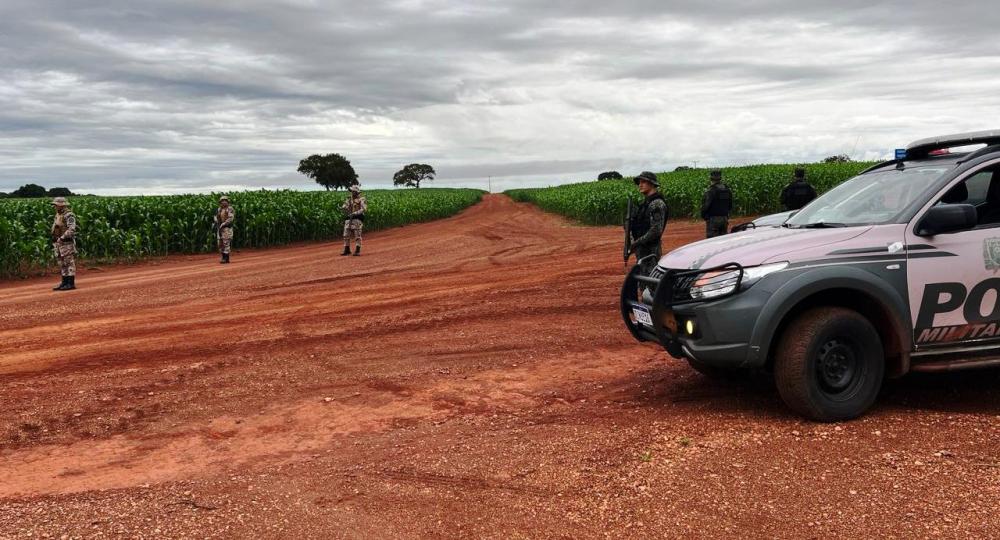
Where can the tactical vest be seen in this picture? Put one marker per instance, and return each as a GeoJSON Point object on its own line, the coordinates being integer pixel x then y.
{"type": "Point", "coordinates": [59, 227]}
{"type": "Point", "coordinates": [639, 224]}
{"type": "Point", "coordinates": [722, 203]}
{"type": "Point", "coordinates": [798, 195]}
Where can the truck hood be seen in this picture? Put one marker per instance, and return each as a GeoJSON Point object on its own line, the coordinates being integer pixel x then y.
{"type": "Point", "coordinates": [753, 248]}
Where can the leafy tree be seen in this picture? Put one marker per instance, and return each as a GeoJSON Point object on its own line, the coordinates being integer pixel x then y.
{"type": "Point", "coordinates": [29, 191]}
{"type": "Point", "coordinates": [837, 159]}
{"type": "Point", "coordinates": [330, 171]}
{"type": "Point", "coordinates": [610, 175]}
{"type": "Point", "coordinates": [3, 195]}
{"type": "Point", "coordinates": [683, 168]}
{"type": "Point", "coordinates": [60, 192]}
{"type": "Point", "coordinates": [412, 174]}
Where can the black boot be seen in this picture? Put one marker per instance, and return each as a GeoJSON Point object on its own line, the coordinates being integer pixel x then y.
{"type": "Point", "coordinates": [347, 250]}
{"type": "Point", "coordinates": [357, 250]}
{"type": "Point", "coordinates": [61, 286]}
{"type": "Point", "coordinates": [70, 283]}
{"type": "Point", "coordinates": [225, 258]}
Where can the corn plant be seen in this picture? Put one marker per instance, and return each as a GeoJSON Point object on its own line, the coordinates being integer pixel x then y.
{"type": "Point", "coordinates": [756, 190]}
{"type": "Point", "coordinates": [128, 228]}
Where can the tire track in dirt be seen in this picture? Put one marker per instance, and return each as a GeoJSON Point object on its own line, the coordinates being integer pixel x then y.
{"type": "Point", "coordinates": [465, 377]}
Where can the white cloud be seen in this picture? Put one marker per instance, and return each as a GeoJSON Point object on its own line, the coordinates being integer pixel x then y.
{"type": "Point", "coordinates": [191, 96]}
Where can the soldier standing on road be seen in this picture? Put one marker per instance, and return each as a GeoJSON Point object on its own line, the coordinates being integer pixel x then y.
{"type": "Point", "coordinates": [798, 192]}
{"type": "Point", "coordinates": [64, 243]}
{"type": "Point", "coordinates": [224, 218]}
{"type": "Point", "coordinates": [648, 222]}
{"type": "Point", "coordinates": [716, 205]}
{"type": "Point", "coordinates": [354, 210]}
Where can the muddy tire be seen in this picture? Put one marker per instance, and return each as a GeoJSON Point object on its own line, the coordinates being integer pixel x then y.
{"type": "Point", "coordinates": [829, 364]}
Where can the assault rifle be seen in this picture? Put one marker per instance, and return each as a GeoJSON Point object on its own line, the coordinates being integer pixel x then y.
{"type": "Point", "coordinates": [627, 249]}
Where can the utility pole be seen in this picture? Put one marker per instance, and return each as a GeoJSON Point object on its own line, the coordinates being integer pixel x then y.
{"type": "Point", "coordinates": [491, 184]}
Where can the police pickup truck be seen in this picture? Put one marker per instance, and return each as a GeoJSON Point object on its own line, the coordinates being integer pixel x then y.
{"type": "Point", "coordinates": [895, 270]}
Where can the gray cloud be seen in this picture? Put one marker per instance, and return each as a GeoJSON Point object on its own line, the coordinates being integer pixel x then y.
{"type": "Point", "coordinates": [190, 96]}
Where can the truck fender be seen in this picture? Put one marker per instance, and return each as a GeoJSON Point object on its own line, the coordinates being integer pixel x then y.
{"type": "Point", "coordinates": [820, 279]}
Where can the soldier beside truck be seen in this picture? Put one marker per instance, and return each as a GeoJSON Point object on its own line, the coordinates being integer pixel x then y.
{"type": "Point", "coordinates": [844, 293]}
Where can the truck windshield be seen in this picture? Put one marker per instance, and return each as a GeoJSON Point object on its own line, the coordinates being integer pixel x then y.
{"type": "Point", "coordinates": [869, 199]}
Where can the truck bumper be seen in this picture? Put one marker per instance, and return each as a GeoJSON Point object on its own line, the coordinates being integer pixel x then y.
{"type": "Point", "coordinates": [715, 332]}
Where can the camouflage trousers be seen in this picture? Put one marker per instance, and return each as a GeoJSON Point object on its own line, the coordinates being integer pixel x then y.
{"type": "Point", "coordinates": [66, 255]}
{"type": "Point", "coordinates": [226, 240]}
{"type": "Point", "coordinates": [353, 227]}
{"type": "Point", "coordinates": [716, 226]}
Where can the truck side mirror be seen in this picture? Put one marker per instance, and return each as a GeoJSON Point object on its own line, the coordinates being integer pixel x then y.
{"type": "Point", "coordinates": [946, 218]}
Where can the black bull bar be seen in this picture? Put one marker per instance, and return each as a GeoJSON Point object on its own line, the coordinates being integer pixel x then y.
{"type": "Point", "coordinates": [669, 289]}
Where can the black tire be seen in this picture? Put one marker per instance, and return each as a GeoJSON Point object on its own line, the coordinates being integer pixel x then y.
{"type": "Point", "coordinates": [829, 364]}
{"type": "Point", "coordinates": [715, 372]}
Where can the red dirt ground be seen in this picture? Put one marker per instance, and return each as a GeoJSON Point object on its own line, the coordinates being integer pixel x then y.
{"type": "Point", "coordinates": [463, 378]}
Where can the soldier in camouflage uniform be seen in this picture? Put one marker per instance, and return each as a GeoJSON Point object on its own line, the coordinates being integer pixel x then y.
{"type": "Point", "coordinates": [648, 222]}
{"type": "Point", "coordinates": [64, 243]}
{"type": "Point", "coordinates": [354, 211]}
{"type": "Point", "coordinates": [224, 218]}
{"type": "Point", "coordinates": [716, 205]}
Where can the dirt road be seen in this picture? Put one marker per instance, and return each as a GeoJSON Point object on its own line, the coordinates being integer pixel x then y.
{"type": "Point", "coordinates": [463, 378]}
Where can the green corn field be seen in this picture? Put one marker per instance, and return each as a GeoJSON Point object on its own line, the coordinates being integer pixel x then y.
{"type": "Point", "coordinates": [129, 228]}
{"type": "Point", "coordinates": [756, 190]}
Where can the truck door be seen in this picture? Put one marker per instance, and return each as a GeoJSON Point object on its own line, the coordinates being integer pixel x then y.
{"type": "Point", "coordinates": [954, 278]}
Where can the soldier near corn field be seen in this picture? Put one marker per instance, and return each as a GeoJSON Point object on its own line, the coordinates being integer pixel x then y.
{"type": "Point", "coordinates": [648, 222]}
{"type": "Point", "coordinates": [354, 219]}
{"type": "Point", "coordinates": [716, 205]}
{"type": "Point", "coordinates": [224, 218]}
{"type": "Point", "coordinates": [798, 192]}
{"type": "Point", "coordinates": [64, 243]}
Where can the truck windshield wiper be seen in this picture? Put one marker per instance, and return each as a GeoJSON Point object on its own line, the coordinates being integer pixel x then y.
{"type": "Point", "coordinates": [822, 225]}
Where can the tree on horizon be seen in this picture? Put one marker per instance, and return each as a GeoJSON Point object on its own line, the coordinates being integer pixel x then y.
{"type": "Point", "coordinates": [332, 171]}
{"type": "Point", "coordinates": [411, 175]}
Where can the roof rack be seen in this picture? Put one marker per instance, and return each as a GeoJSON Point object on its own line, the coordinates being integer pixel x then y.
{"type": "Point", "coordinates": [923, 147]}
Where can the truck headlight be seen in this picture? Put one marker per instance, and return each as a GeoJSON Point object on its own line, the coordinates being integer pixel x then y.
{"type": "Point", "coordinates": [720, 283]}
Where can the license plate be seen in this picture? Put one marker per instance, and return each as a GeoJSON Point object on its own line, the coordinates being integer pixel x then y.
{"type": "Point", "coordinates": [642, 316]}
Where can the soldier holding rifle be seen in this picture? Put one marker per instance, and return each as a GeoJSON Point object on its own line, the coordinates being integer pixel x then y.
{"type": "Point", "coordinates": [354, 219]}
{"type": "Point", "coordinates": [646, 224]}
{"type": "Point", "coordinates": [64, 243]}
{"type": "Point", "coordinates": [224, 218]}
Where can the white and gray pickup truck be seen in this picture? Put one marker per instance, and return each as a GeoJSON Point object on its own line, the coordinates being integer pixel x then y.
{"type": "Point", "coordinates": [895, 270]}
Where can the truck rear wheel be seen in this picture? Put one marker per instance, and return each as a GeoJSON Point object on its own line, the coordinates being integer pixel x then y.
{"type": "Point", "coordinates": [829, 364]}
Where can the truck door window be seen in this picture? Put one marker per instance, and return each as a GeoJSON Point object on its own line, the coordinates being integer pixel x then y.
{"type": "Point", "coordinates": [981, 190]}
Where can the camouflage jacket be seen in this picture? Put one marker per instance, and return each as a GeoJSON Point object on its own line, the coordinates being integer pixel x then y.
{"type": "Point", "coordinates": [64, 227]}
{"type": "Point", "coordinates": [224, 217]}
{"type": "Point", "coordinates": [355, 208]}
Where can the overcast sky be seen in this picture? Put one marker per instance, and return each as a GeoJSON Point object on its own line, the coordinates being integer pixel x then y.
{"type": "Point", "coordinates": [184, 96]}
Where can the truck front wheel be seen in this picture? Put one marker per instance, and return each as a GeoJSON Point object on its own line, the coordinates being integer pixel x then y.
{"type": "Point", "coordinates": [829, 364]}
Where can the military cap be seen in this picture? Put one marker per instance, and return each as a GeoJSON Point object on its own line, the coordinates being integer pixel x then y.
{"type": "Point", "coordinates": [224, 198]}
{"type": "Point", "coordinates": [354, 189]}
{"type": "Point", "coordinates": [800, 172]}
{"type": "Point", "coordinates": [647, 176]}
{"type": "Point", "coordinates": [60, 201]}
{"type": "Point", "coordinates": [716, 173]}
